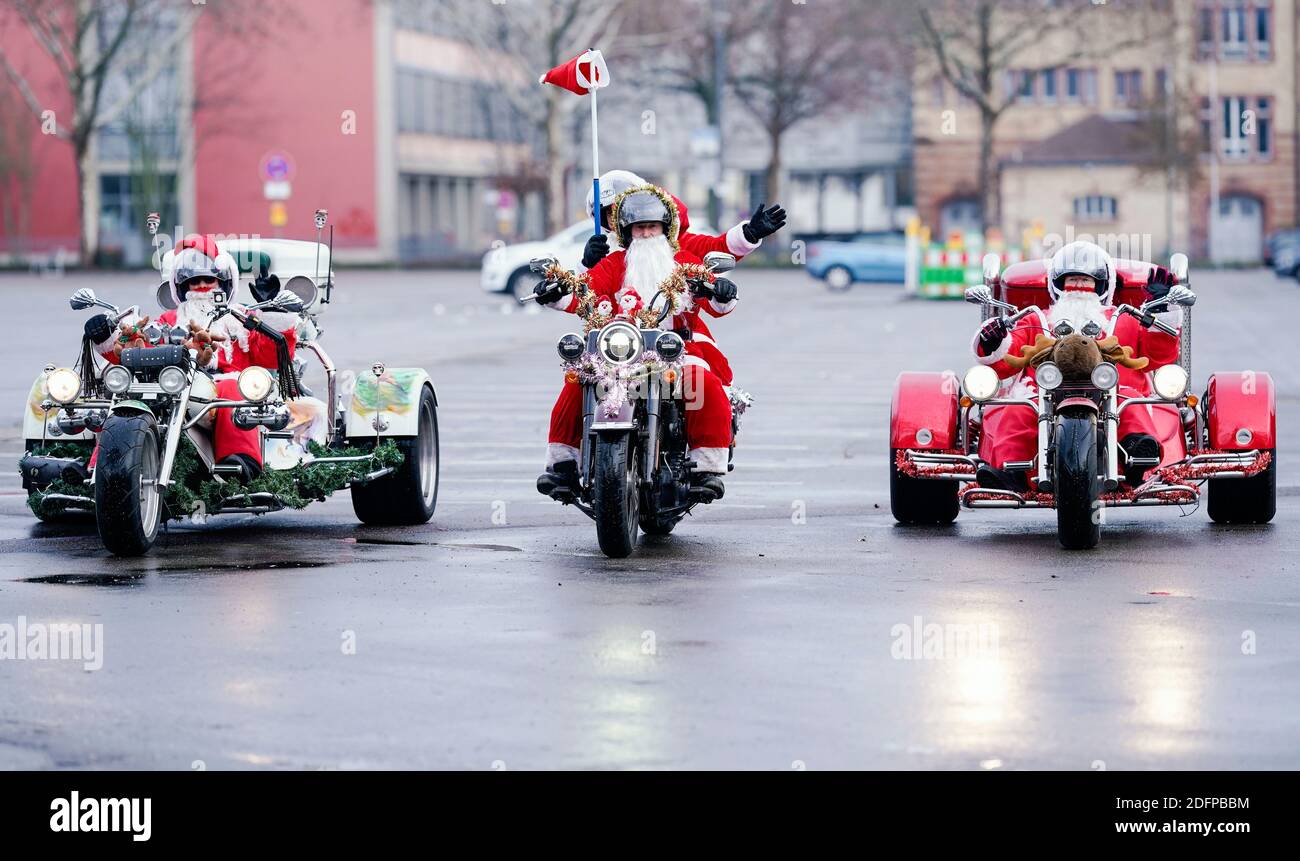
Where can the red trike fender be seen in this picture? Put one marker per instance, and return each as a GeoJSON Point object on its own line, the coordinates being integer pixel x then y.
{"type": "Point", "coordinates": [924, 400]}
{"type": "Point", "coordinates": [1237, 401]}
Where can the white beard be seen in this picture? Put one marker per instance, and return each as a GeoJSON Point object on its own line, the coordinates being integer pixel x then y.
{"type": "Point", "coordinates": [1079, 308]}
{"type": "Point", "coordinates": [197, 307]}
{"type": "Point", "coordinates": [647, 264]}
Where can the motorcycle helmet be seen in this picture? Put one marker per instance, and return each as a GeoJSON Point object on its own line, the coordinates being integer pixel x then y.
{"type": "Point", "coordinates": [1082, 258]}
{"type": "Point", "coordinates": [641, 207]}
{"type": "Point", "coordinates": [197, 257]}
{"type": "Point", "coordinates": [612, 184]}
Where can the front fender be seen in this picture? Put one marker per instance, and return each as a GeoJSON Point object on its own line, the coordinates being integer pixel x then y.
{"type": "Point", "coordinates": [129, 408]}
{"type": "Point", "coordinates": [1241, 400]}
{"type": "Point", "coordinates": [395, 396]}
{"type": "Point", "coordinates": [924, 400]}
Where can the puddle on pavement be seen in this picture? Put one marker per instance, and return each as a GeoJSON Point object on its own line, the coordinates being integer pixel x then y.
{"type": "Point", "coordinates": [397, 542]}
{"type": "Point", "coordinates": [136, 576]}
{"type": "Point", "coordinates": [88, 579]}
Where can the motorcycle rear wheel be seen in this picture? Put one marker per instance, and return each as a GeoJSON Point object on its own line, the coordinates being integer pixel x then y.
{"type": "Point", "coordinates": [920, 500]}
{"type": "Point", "coordinates": [616, 496]}
{"type": "Point", "coordinates": [128, 504]}
{"type": "Point", "coordinates": [1244, 500]}
{"type": "Point", "coordinates": [407, 496]}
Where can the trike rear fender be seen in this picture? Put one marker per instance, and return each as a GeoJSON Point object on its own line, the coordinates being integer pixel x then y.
{"type": "Point", "coordinates": [1237, 402]}
{"type": "Point", "coordinates": [924, 400]}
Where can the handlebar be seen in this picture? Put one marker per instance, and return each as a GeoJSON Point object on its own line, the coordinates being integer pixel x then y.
{"type": "Point", "coordinates": [1147, 319]}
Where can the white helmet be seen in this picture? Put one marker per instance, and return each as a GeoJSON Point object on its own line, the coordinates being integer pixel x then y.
{"type": "Point", "coordinates": [1082, 258]}
{"type": "Point", "coordinates": [612, 184]}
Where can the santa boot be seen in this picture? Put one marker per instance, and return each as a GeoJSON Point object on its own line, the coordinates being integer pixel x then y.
{"type": "Point", "coordinates": [1144, 449]}
{"type": "Point", "coordinates": [560, 481]}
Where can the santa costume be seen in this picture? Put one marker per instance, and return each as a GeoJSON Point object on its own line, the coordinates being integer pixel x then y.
{"type": "Point", "coordinates": [623, 283]}
{"type": "Point", "coordinates": [1010, 433]}
{"type": "Point", "coordinates": [234, 347]}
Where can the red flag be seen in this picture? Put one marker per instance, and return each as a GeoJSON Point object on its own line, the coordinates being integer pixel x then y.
{"type": "Point", "coordinates": [580, 75]}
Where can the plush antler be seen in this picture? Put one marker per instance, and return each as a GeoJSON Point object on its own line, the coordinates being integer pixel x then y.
{"type": "Point", "coordinates": [1042, 345]}
{"type": "Point", "coordinates": [1111, 351]}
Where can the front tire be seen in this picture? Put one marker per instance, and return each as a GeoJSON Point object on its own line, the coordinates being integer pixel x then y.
{"type": "Point", "coordinates": [616, 496]}
{"type": "Point", "coordinates": [128, 506]}
{"type": "Point", "coordinates": [1244, 500]}
{"type": "Point", "coordinates": [1078, 487]}
{"type": "Point", "coordinates": [920, 500]}
{"type": "Point", "coordinates": [408, 495]}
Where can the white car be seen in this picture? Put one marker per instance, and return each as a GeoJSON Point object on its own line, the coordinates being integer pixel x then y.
{"type": "Point", "coordinates": [505, 268]}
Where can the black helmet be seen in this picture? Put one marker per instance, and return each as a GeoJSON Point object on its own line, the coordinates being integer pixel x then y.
{"type": "Point", "coordinates": [1082, 258]}
{"type": "Point", "coordinates": [191, 264]}
{"type": "Point", "coordinates": [640, 207]}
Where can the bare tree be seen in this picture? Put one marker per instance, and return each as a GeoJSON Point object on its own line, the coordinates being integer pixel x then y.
{"type": "Point", "coordinates": [977, 44]}
{"type": "Point", "coordinates": [17, 172]}
{"type": "Point", "coordinates": [523, 39]}
{"type": "Point", "coordinates": [798, 61]}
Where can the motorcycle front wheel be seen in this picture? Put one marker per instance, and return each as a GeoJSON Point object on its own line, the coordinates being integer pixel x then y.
{"type": "Point", "coordinates": [615, 496]}
{"type": "Point", "coordinates": [128, 504]}
{"type": "Point", "coordinates": [1077, 484]}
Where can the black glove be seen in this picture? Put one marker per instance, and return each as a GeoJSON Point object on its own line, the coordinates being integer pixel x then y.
{"type": "Point", "coordinates": [1159, 282]}
{"type": "Point", "coordinates": [724, 290]}
{"type": "Point", "coordinates": [99, 328]}
{"type": "Point", "coordinates": [597, 248]}
{"type": "Point", "coordinates": [992, 334]}
{"type": "Point", "coordinates": [764, 222]}
{"type": "Point", "coordinates": [547, 292]}
{"type": "Point", "coordinates": [264, 288]}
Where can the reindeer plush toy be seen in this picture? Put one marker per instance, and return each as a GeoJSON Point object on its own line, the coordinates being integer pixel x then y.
{"type": "Point", "coordinates": [1076, 355]}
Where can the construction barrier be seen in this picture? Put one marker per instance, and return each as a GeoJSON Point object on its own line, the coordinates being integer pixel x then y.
{"type": "Point", "coordinates": [944, 271]}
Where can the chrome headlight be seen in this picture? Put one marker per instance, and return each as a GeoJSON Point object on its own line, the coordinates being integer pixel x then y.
{"type": "Point", "coordinates": [255, 383]}
{"type": "Point", "coordinates": [1170, 382]}
{"type": "Point", "coordinates": [63, 385]}
{"type": "Point", "coordinates": [570, 347]}
{"type": "Point", "coordinates": [669, 346]}
{"type": "Point", "coordinates": [980, 383]}
{"type": "Point", "coordinates": [117, 379]}
{"type": "Point", "coordinates": [1049, 376]}
{"type": "Point", "coordinates": [620, 343]}
{"type": "Point", "coordinates": [172, 379]}
{"type": "Point", "coordinates": [1105, 376]}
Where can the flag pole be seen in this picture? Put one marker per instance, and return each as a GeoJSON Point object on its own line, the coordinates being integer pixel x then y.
{"type": "Point", "coordinates": [595, 153]}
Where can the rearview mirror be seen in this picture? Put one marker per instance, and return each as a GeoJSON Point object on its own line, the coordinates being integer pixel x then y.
{"type": "Point", "coordinates": [992, 265]}
{"type": "Point", "coordinates": [979, 295]}
{"type": "Point", "coordinates": [83, 299]}
{"type": "Point", "coordinates": [164, 296]}
{"type": "Point", "coordinates": [1178, 266]}
{"type": "Point", "coordinates": [539, 265]}
{"type": "Point", "coordinates": [718, 262]}
{"type": "Point", "coordinates": [1180, 295]}
{"type": "Point", "coordinates": [287, 301]}
{"type": "Point", "coordinates": [304, 288]}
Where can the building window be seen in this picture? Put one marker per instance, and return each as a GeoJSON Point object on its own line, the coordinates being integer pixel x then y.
{"type": "Point", "coordinates": [1128, 87]}
{"type": "Point", "coordinates": [1081, 86]}
{"type": "Point", "coordinates": [1049, 85]}
{"type": "Point", "coordinates": [1235, 30]}
{"type": "Point", "coordinates": [1095, 208]}
{"type": "Point", "coordinates": [1241, 127]}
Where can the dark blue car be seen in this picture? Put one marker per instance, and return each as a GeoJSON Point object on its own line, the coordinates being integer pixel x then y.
{"type": "Point", "coordinates": [868, 257]}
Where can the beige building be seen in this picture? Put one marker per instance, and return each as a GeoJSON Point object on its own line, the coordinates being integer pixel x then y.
{"type": "Point", "coordinates": [1080, 149]}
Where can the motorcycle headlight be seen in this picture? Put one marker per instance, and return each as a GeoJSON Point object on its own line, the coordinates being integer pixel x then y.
{"type": "Point", "coordinates": [1170, 382]}
{"type": "Point", "coordinates": [1105, 376]}
{"type": "Point", "coordinates": [620, 343]}
{"type": "Point", "coordinates": [570, 347]}
{"type": "Point", "coordinates": [255, 384]}
{"type": "Point", "coordinates": [172, 379]}
{"type": "Point", "coordinates": [980, 383]}
{"type": "Point", "coordinates": [117, 379]}
{"type": "Point", "coordinates": [63, 385]}
{"type": "Point", "coordinates": [669, 346]}
{"type": "Point", "coordinates": [1049, 376]}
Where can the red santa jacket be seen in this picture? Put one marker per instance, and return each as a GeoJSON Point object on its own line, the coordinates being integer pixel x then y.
{"type": "Point", "coordinates": [1160, 347]}
{"type": "Point", "coordinates": [732, 242]}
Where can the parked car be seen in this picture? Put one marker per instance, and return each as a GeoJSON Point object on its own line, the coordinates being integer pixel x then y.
{"type": "Point", "coordinates": [868, 257]}
{"type": "Point", "coordinates": [505, 268]}
{"type": "Point", "coordinates": [1275, 242]}
{"type": "Point", "coordinates": [1284, 256]}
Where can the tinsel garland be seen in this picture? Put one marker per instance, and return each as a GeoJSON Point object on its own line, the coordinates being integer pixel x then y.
{"type": "Point", "coordinates": [192, 489]}
{"type": "Point", "coordinates": [611, 380]}
{"type": "Point", "coordinates": [912, 469]}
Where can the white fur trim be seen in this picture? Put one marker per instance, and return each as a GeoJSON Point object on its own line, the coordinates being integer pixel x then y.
{"type": "Point", "coordinates": [712, 460]}
{"type": "Point", "coordinates": [723, 309]}
{"type": "Point", "coordinates": [557, 452]}
{"type": "Point", "coordinates": [559, 305]}
{"type": "Point", "coordinates": [1173, 318]}
{"type": "Point", "coordinates": [703, 339]}
{"type": "Point", "coordinates": [737, 244]}
{"type": "Point", "coordinates": [996, 356]}
{"type": "Point", "coordinates": [688, 361]}
{"type": "Point", "coordinates": [281, 321]}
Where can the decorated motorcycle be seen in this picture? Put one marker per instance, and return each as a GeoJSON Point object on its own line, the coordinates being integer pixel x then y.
{"type": "Point", "coordinates": [634, 472]}
{"type": "Point", "coordinates": [1220, 445]}
{"type": "Point", "coordinates": [132, 442]}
